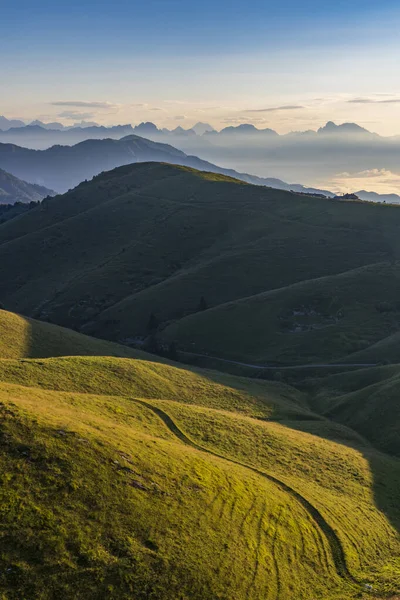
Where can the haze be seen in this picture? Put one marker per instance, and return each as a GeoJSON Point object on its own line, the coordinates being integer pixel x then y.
{"type": "Point", "coordinates": [287, 67]}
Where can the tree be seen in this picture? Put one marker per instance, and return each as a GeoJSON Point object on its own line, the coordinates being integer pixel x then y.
{"type": "Point", "coordinates": [172, 351]}
{"type": "Point", "coordinates": [152, 323]}
{"type": "Point", "coordinates": [202, 304]}
{"type": "Point", "coordinates": [152, 345]}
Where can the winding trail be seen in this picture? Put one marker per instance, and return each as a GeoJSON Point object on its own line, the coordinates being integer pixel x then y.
{"type": "Point", "coordinates": [283, 367]}
{"type": "Point", "coordinates": [337, 551]}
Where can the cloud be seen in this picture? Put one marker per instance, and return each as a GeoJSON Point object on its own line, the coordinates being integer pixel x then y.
{"type": "Point", "coordinates": [373, 101]}
{"type": "Point", "coordinates": [241, 120]}
{"type": "Point", "coordinates": [80, 104]}
{"type": "Point", "coordinates": [180, 117]}
{"type": "Point", "coordinates": [275, 108]}
{"type": "Point", "coordinates": [370, 173]}
{"type": "Point", "coordinates": [74, 114]}
{"type": "Point", "coordinates": [379, 180]}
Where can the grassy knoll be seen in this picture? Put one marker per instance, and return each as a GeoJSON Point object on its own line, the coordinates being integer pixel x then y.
{"type": "Point", "coordinates": [21, 337]}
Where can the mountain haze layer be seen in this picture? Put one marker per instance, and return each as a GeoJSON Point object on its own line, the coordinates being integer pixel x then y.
{"type": "Point", "coordinates": [89, 158]}
{"type": "Point", "coordinates": [342, 157]}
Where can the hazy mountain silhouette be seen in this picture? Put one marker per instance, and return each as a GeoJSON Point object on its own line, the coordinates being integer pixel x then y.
{"type": "Point", "coordinates": [14, 190]}
{"type": "Point", "coordinates": [8, 123]}
{"type": "Point", "coordinates": [63, 167]}
{"type": "Point", "coordinates": [41, 136]}
{"type": "Point", "coordinates": [54, 125]}
{"type": "Point", "coordinates": [202, 128]}
{"type": "Point", "coordinates": [312, 156]}
{"type": "Point", "coordinates": [344, 128]}
{"type": "Point", "coordinates": [244, 129]}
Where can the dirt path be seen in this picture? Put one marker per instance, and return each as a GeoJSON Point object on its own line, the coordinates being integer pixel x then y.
{"type": "Point", "coordinates": [332, 538]}
{"type": "Point", "coordinates": [283, 367]}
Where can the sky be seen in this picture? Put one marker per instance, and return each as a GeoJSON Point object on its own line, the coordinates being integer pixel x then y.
{"type": "Point", "coordinates": [286, 65]}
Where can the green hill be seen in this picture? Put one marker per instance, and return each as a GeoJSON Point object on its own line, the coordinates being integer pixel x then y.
{"type": "Point", "coordinates": [22, 337]}
{"type": "Point", "coordinates": [125, 477]}
{"type": "Point", "coordinates": [366, 400]}
{"type": "Point", "coordinates": [317, 279]}
{"type": "Point", "coordinates": [318, 320]}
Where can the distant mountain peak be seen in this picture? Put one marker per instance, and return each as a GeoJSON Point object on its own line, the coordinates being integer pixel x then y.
{"type": "Point", "coordinates": [54, 126]}
{"type": "Point", "coordinates": [181, 131]}
{"type": "Point", "coordinates": [6, 124]}
{"type": "Point", "coordinates": [331, 127]}
{"type": "Point", "coordinates": [146, 127]}
{"type": "Point", "coordinates": [202, 128]}
{"type": "Point", "coordinates": [243, 128]}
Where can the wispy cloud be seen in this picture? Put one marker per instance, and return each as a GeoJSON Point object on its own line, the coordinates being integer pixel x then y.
{"type": "Point", "coordinates": [373, 101]}
{"type": "Point", "coordinates": [81, 104]}
{"type": "Point", "coordinates": [370, 173]}
{"type": "Point", "coordinates": [380, 180]}
{"type": "Point", "coordinates": [275, 108]}
{"type": "Point", "coordinates": [74, 114]}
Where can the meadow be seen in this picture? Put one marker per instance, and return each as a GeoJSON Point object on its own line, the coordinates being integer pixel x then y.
{"type": "Point", "coordinates": [137, 476]}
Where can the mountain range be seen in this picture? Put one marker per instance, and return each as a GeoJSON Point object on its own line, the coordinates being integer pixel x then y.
{"type": "Point", "coordinates": [64, 167]}
{"type": "Point", "coordinates": [329, 158]}
{"type": "Point", "coordinates": [199, 129]}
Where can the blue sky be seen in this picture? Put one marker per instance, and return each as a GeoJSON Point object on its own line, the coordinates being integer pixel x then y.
{"type": "Point", "coordinates": [180, 61]}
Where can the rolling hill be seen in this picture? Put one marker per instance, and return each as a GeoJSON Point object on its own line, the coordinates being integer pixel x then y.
{"type": "Point", "coordinates": [129, 477]}
{"type": "Point", "coordinates": [316, 279]}
{"type": "Point", "coordinates": [366, 400]}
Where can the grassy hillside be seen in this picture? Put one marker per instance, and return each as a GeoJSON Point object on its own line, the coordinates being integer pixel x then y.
{"type": "Point", "coordinates": [366, 400]}
{"type": "Point", "coordinates": [22, 337]}
{"type": "Point", "coordinates": [318, 279]}
{"type": "Point", "coordinates": [318, 320]}
{"type": "Point", "coordinates": [134, 478]}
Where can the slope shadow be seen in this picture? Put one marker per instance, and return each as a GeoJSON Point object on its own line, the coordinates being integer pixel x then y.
{"type": "Point", "coordinates": [385, 469]}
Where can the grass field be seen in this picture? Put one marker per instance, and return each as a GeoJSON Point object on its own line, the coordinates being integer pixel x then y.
{"type": "Point", "coordinates": [125, 477]}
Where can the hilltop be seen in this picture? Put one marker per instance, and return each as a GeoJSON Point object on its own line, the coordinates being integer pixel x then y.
{"type": "Point", "coordinates": [122, 470]}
